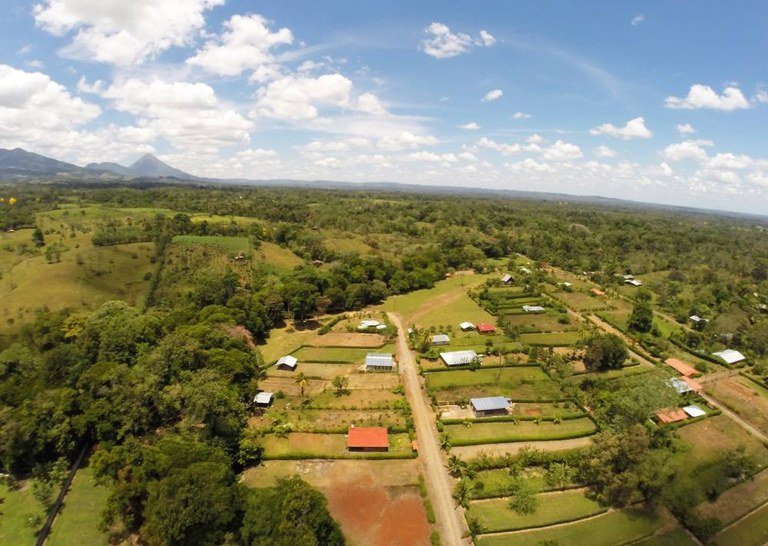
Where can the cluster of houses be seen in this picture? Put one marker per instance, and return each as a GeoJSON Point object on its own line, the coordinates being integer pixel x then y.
{"type": "Point", "coordinates": [683, 384]}
{"type": "Point", "coordinates": [630, 279]}
{"type": "Point", "coordinates": [481, 327]}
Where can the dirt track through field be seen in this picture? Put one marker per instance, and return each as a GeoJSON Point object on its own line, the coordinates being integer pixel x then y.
{"type": "Point", "coordinates": [450, 520]}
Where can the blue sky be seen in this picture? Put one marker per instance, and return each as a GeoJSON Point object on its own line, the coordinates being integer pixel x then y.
{"type": "Point", "coordinates": [653, 101]}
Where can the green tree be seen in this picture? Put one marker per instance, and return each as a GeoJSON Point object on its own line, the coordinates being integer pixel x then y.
{"type": "Point", "coordinates": [605, 352]}
{"type": "Point", "coordinates": [340, 383]}
{"type": "Point", "coordinates": [302, 381]}
{"type": "Point", "coordinates": [641, 318]}
{"type": "Point", "coordinates": [523, 499]}
{"type": "Point", "coordinates": [38, 238]}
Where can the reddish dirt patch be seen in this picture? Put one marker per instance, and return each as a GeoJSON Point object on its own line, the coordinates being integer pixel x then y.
{"type": "Point", "coordinates": [371, 515]}
{"type": "Point", "coordinates": [340, 339]}
{"type": "Point", "coordinates": [532, 411]}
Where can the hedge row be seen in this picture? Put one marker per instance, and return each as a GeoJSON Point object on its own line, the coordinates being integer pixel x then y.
{"type": "Point", "coordinates": [488, 367]}
{"type": "Point", "coordinates": [519, 438]}
{"type": "Point", "coordinates": [513, 418]}
{"type": "Point", "coordinates": [362, 455]}
{"type": "Point", "coordinates": [563, 521]}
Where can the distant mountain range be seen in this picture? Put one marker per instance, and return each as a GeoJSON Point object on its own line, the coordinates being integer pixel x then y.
{"type": "Point", "coordinates": [20, 163]}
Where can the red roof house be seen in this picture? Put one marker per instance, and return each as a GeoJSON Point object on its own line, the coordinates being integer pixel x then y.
{"type": "Point", "coordinates": [671, 415]}
{"type": "Point", "coordinates": [597, 292]}
{"type": "Point", "coordinates": [682, 367]}
{"type": "Point", "coordinates": [695, 385]}
{"type": "Point", "coordinates": [367, 439]}
{"type": "Point", "coordinates": [485, 328]}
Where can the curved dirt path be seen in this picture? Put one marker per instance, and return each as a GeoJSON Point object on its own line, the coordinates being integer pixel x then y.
{"type": "Point", "coordinates": [450, 519]}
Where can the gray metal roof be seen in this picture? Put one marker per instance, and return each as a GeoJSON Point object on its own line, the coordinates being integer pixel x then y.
{"type": "Point", "coordinates": [380, 360]}
{"type": "Point", "coordinates": [489, 403]}
{"type": "Point", "coordinates": [288, 360]}
{"type": "Point", "coordinates": [441, 338]}
{"type": "Point", "coordinates": [458, 358]}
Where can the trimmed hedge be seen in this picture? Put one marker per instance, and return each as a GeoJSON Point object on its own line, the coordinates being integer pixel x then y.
{"type": "Point", "coordinates": [519, 438]}
{"type": "Point", "coordinates": [513, 418]}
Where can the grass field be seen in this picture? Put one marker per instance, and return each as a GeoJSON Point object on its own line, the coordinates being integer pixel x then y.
{"type": "Point", "coordinates": [738, 500]}
{"type": "Point", "coordinates": [675, 536]}
{"type": "Point", "coordinates": [78, 520]}
{"type": "Point", "coordinates": [277, 256]}
{"type": "Point", "coordinates": [230, 244]}
{"type": "Point", "coordinates": [464, 378]}
{"type": "Point", "coordinates": [557, 339]}
{"type": "Point", "coordinates": [314, 370]}
{"type": "Point", "coordinates": [497, 482]}
{"type": "Point", "coordinates": [745, 397]}
{"type": "Point", "coordinates": [18, 508]}
{"type": "Point", "coordinates": [750, 531]}
{"type": "Point", "coordinates": [283, 341]}
{"type": "Point", "coordinates": [583, 302]}
{"type": "Point", "coordinates": [301, 445]}
{"type": "Point", "coordinates": [610, 529]}
{"type": "Point", "coordinates": [331, 420]}
{"type": "Point", "coordinates": [543, 322]}
{"type": "Point", "coordinates": [495, 514]}
{"type": "Point", "coordinates": [492, 433]}
{"type": "Point", "coordinates": [337, 354]}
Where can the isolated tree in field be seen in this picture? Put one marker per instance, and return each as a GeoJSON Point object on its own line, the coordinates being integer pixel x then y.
{"type": "Point", "coordinates": [522, 500]}
{"type": "Point", "coordinates": [38, 238]}
{"type": "Point", "coordinates": [641, 319]}
{"type": "Point", "coordinates": [302, 381]}
{"type": "Point", "coordinates": [605, 352]}
{"type": "Point", "coordinates": [340, 384]}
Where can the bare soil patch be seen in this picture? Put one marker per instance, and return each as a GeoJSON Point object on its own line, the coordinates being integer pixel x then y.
{"type": "Point", "coordinates": [374, 380]}
{"type": "Point", "coordinates": [738, 394]}
{"type": "Point", "coordinates": [288, 386]}
{"type": "Point", "coordinates": [343, 339]}
{"type": "Point", "coordinates": [511, 448]}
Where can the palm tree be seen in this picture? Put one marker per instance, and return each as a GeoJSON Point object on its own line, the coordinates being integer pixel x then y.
{"type": "Point", "coordinates": [302, 381]}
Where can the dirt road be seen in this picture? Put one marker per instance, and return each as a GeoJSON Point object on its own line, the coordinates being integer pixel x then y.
{"type": "Point", "coordinates": [450, 519]}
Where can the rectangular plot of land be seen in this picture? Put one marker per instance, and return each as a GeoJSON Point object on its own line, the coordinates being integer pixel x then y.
{"type": "Point", "coordinates": [299, 445]}
{"type": "Point", "coordinates": [539, 323]}
{"type": "Point", "coordinates": [492, 433]}
{"type": "Point", "coordinates": [485, 377]}
{"type": "Point", "coordinates": [332, 355]}
{"type": "Point", "coordinates": [558, 339]}
{"type": "Point", "coordinates": [751, 531]}
{"type": "Point", "coordinates": [343, 339]}
{"type": "Point", "coordinates": [315, 371]}
{"type": "Point", "coordinates": [559, 507]}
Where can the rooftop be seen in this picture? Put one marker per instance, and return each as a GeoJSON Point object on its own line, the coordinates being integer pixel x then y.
{"type": "Point", "coordinates": [730, 356]}
{"type": "Point", "coordinates": [683, 367]}
{"type": "Point", "coordinates": [362, 437]}
{"type": "Point", "coordinates": [263, 398]}
{"type": "Point", "coordinates": [489, 403]}
{"type": "Point", "coordinates": [382, 360]}
{"type": "Point", "coordinates": [287, 360]}
{"type": "Point", "coordinates": [458, 358]}
{"type": "Point", "coordinates": [486, 327]}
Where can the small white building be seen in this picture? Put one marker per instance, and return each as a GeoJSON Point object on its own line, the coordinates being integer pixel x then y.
{"type": "Point", "coordinates": [679, 385]}
{"type": "Point", "coordinates": [506, 279]}
{"type": "Point", "coordinates": [533, 308]}
{"type": "Point", "coordinates": [633, 282]}
{"type": "Point", "coordinates": [697, 319]}
{"type": "Point", "coordinates": [525, 270]}
{"type": "Point", "coordinates": [566, 284]}
{"type": "Point", "coordinates": [459, 358]}
{"type": "Point", "coordinates": [263, 399]}
{"type": "Point", "coordinates": [490, 405]}
{"type": "Point", "coordinates": [730, 356]}
{"type": "Point", "coordinates": [466, 326]}
{"type": "Point", "coordinates": [694, 411]}
{"type": "Point", "coordinates": [379, 362]}
{"type": "Point", "coordinates": [441, 339]}
{"type": "Point", "coordinates": [367, 324]}
{"type": "Point", "coordinates": [287, 363]}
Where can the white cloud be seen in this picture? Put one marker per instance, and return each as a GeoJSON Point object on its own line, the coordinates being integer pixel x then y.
{"type": "Point", "coordinates": [605, 151]}
{"type": "Point", "coordinates": [493, 95]}
{"type": "Point", "coordinates": [761, 96]}
{"type": "Point", "coordinates": [185, 114]}
{"type": "Point", "coordinates": [521, 115]}
{"type": "Point", "coordinates": [530, 166]}
{"type": "Point", "coordinates": [471, 126]}
{"type": "Point", "coordinates": [685, 129]}
{"type": "Point", "coordinates": [729, 161]}
{"type": "Point", "coordinates": [246, 44]}
{"type": "Point", "coordinates": [535, 138]}
{"type": "Point", "coordinates": [405, 139]}
{"type": "Point", "coordinates": [665, 169]}
{"type": "Point", "coordinates": [688, 149]}
{"type": "Point", "coordinates": [441, 43]}
{"type": "Point", "coordinates": [506, 149]}
{"type": "Point", "coordinates": [297, 97]}
{"type": "Point", "coordinates": [431, 157]}
{"type": "Point", "coordinates": [122, 33]}
{"type": "Point", "coordinates": [703, 96]}
{"type": "Point", "coordinates": [370, 104]}
{"type": "Point", "coordinates": [637, 19]}
{"type": "Point", "coordinates": [634, 128]}
{"type": "Point", "coordinates": [562, 151]}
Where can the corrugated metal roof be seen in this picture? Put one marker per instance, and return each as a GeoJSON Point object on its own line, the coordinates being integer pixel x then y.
{"type": "Point", "coordinates": [458, 358]}
{"type": "Point", "coordinates": [730, 356]}
{"type": "Point", "coordinates": [694, 411]}
{"type": "Point", "coordinates": [490, 403]}
{"type": "Point", "coordinates": [263, 398]}
{"type": "Point", "coordinates": [288, 360]}
{"type": "Point", "coordinates": [379, 360]}
{"type": "Point", "coordinates": [466, 326]}
{"type": "Point", "coordinates": [441, 338]}
{"type": "Point", "coordinates": [362, 437]}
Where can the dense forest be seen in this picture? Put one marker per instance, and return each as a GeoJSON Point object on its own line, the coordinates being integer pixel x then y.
{"type": "Point", "coordinates": [161, 390]}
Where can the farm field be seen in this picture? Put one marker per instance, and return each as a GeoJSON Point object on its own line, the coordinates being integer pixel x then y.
{"type": "Point", "coordinates": [79, 518]}
{"type": "Point", "coordinates": [557, 507]}
{"type": "Point", "coordinates": [492, 433]}
{"type": "Point", "coordinates": [750, 531]}
{"type": "Point", "coordinates": [302, 445]}
{"type": "Point", "coordinates": [738, 500]}
{"type": "Point", "coordinates": [748, 399]}
{"type": "Point", "coordinates": [497, 482]}
{"type": "Point", "coordinates": [230, 244]}
{"type": "Point", "coordinates": [21, 516]}
{"type": "Point", "coordinates": [519, 383]}
{"type": "Point", "coordinates": [467, 453]}
{"type": "Point", "coordinates": [609, 529]}
{"type": "Point", "coordinates": [553, 339]}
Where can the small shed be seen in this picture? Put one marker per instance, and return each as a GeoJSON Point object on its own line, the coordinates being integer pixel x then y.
{"type": "Point", "coordinates": [441, 339]}
{"type": "Point", "coordinates": [679, 385]}
{"type": "Point", "coordinates": [287, 363]}
{"type": "Point", "coordinates": [683, 368]}
{"type": "Point", "coordinates": [693, 385]}
{"type": "Point", "coordinates": [634, 282]}
{"type": "Point", "coordinates": [367, 324]}
{"type": "Point", "coordinates": [566, 284]}
{"type": "Point", "coordinates": [671, 415]}
{"type": "Point", "coordinates": [263, 399]}
{"type": "Point", "coordinates": [694, 411]}
{"type": "Point", "coordinates": [459, 358]}
{"type": "Point", "coordinates": [490, 405]}
{"type": "Point", "coordinates": [597, 292]}
{"type": "Point", "coordinates": [506, 279]}
{"type": "Point", "coordinates": [533, 308]}
{"type": "Point", "coordinates": [376, 362]}
{"type": "Point", "coordinates": [367, 439]}
{"type": "Point", "coordinates": [730, 356]}
{"type": "Point", "coordinates": [696, 319]}
{"type": "Point", "coordinates": [486, 328]}
{"type": "Point", "coordinates": [466, 326]}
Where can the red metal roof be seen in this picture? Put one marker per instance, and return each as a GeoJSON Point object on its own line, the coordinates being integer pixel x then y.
{"type": "Point", "coordinates": [361, 437]}
{"type": "Point", "coordinates": [671, 415]}
{"type": "Point", "coordinates": [597, 292]}
{"type": "Point", "coordinates": [683, 367]}
{"type": "Point", "coordinates": [485, 327]}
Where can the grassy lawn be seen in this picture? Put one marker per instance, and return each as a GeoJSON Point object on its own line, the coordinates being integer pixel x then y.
{"type": "Point", "coordinates": [539, 323]}
{"type": "Point", "coordinates": [738, 500]}
{"type": "Point", "coordinates": [78, 520]}
{"type": "Point", "coordinates": [719, 433]}
{"type": "Point", "coordinates": [408, 305]}
{"type": "Point", "coordinates": [437, 380]}
{"type": "Point", "coordinates": [283, 341]}
{"type": "Point", "coordinates": [496, 482]}
{"type": "Point", "coordinates": [673, 537]}
{"type": "Point", "coordinates": [581, 301]}
{"type": "Point", "coordinates": [623, 372]}
{"type": "Point", "coordinates": [745, 397]}
{"type": "Point", "coordinates": [557, 339]}
{"type": "Point", "coordinates": [332, 420]}
{"type": "Point", "coordinates": [610, 529]}
{"type": "Point", "coordinates": [493, 433]}
{"type": "Point", "coordinates": [230, 244]}
{"type": "Point", "coordinates": [299, 445]}
{"type": "Point", "coordinates": [338, 354]}
{"type": "Point", "coordinates": [314, 371]}
{"type": "Point", "coordinates": [18, 509]}
{"type": "Point", "coordinates": [751, 531]}
{"type": "Point", "coordinates": [277, 256]}
{"type": "Point", "coordinates": [495, 515]}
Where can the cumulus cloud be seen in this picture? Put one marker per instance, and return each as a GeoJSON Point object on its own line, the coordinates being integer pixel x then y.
{"type": "Point", "coordinates": [634, 128]}
{"type": "Point", "coordinates": [246, 44]}
{"type": "Point", "coordinates": [685, 129]}
{"type": "Point", "coordinates": [761, 96]}
{"type": "Point", "coordinates": [562, 151]}
{"type": "Point", "coordinates": [431, 157]}
{"type": "Point", "coordinates": [530, 166]}
{"type": "Point", "coordinates": [471, 126]}
{"type": "Point", "coordinates": [122, 33]}
{"type": "Point", "coordinates": [442, 43]}
{"type": "Point", "coordinates": [297, 97]}
{"type": "Point", "coordinates": [605, 151]}
{"type": "Point", "coordinates": [493, 95]}
{"type": "Point", "coordinates": [405, 139]}
{"type": "Point", "coordinates": [688, 149]}
{"type": "Point", "coordinates": [521, 115]}
{"type": "Point", "coordinates": [703, 96]}
{"type": "Point", "coordinates": [370, 104]}
{"type": "Point", "coordinates": [637, 19]}
{"type": "Point", "coordinates": [506, 149]}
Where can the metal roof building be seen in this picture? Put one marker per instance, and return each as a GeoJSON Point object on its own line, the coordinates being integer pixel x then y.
{"type": "Point", "coordinates": [287, 362]}
{"type": "Point", "coordinates": [467, 326]}
{"type": "Point", "coordinates": [489, 405]}
{"type": "Point", "coordinates": [730, 356]}
{"type": "Point", "coordinates": [533, 308]}
{"type": "Point", "coordinates": [263, 399]}
{"type": "Point", "coordinates": [367, 439]}
{"type": "Point", "coordinates": [379, 361]}
{"type": "Point", "coordinates": [441, 339]}
{"type": "Point", "coordinates": [459, 358]}
{"type": "Point", "coordinates": [682, 367]}
{"type": "Point", "coordinates": [506, 278]}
